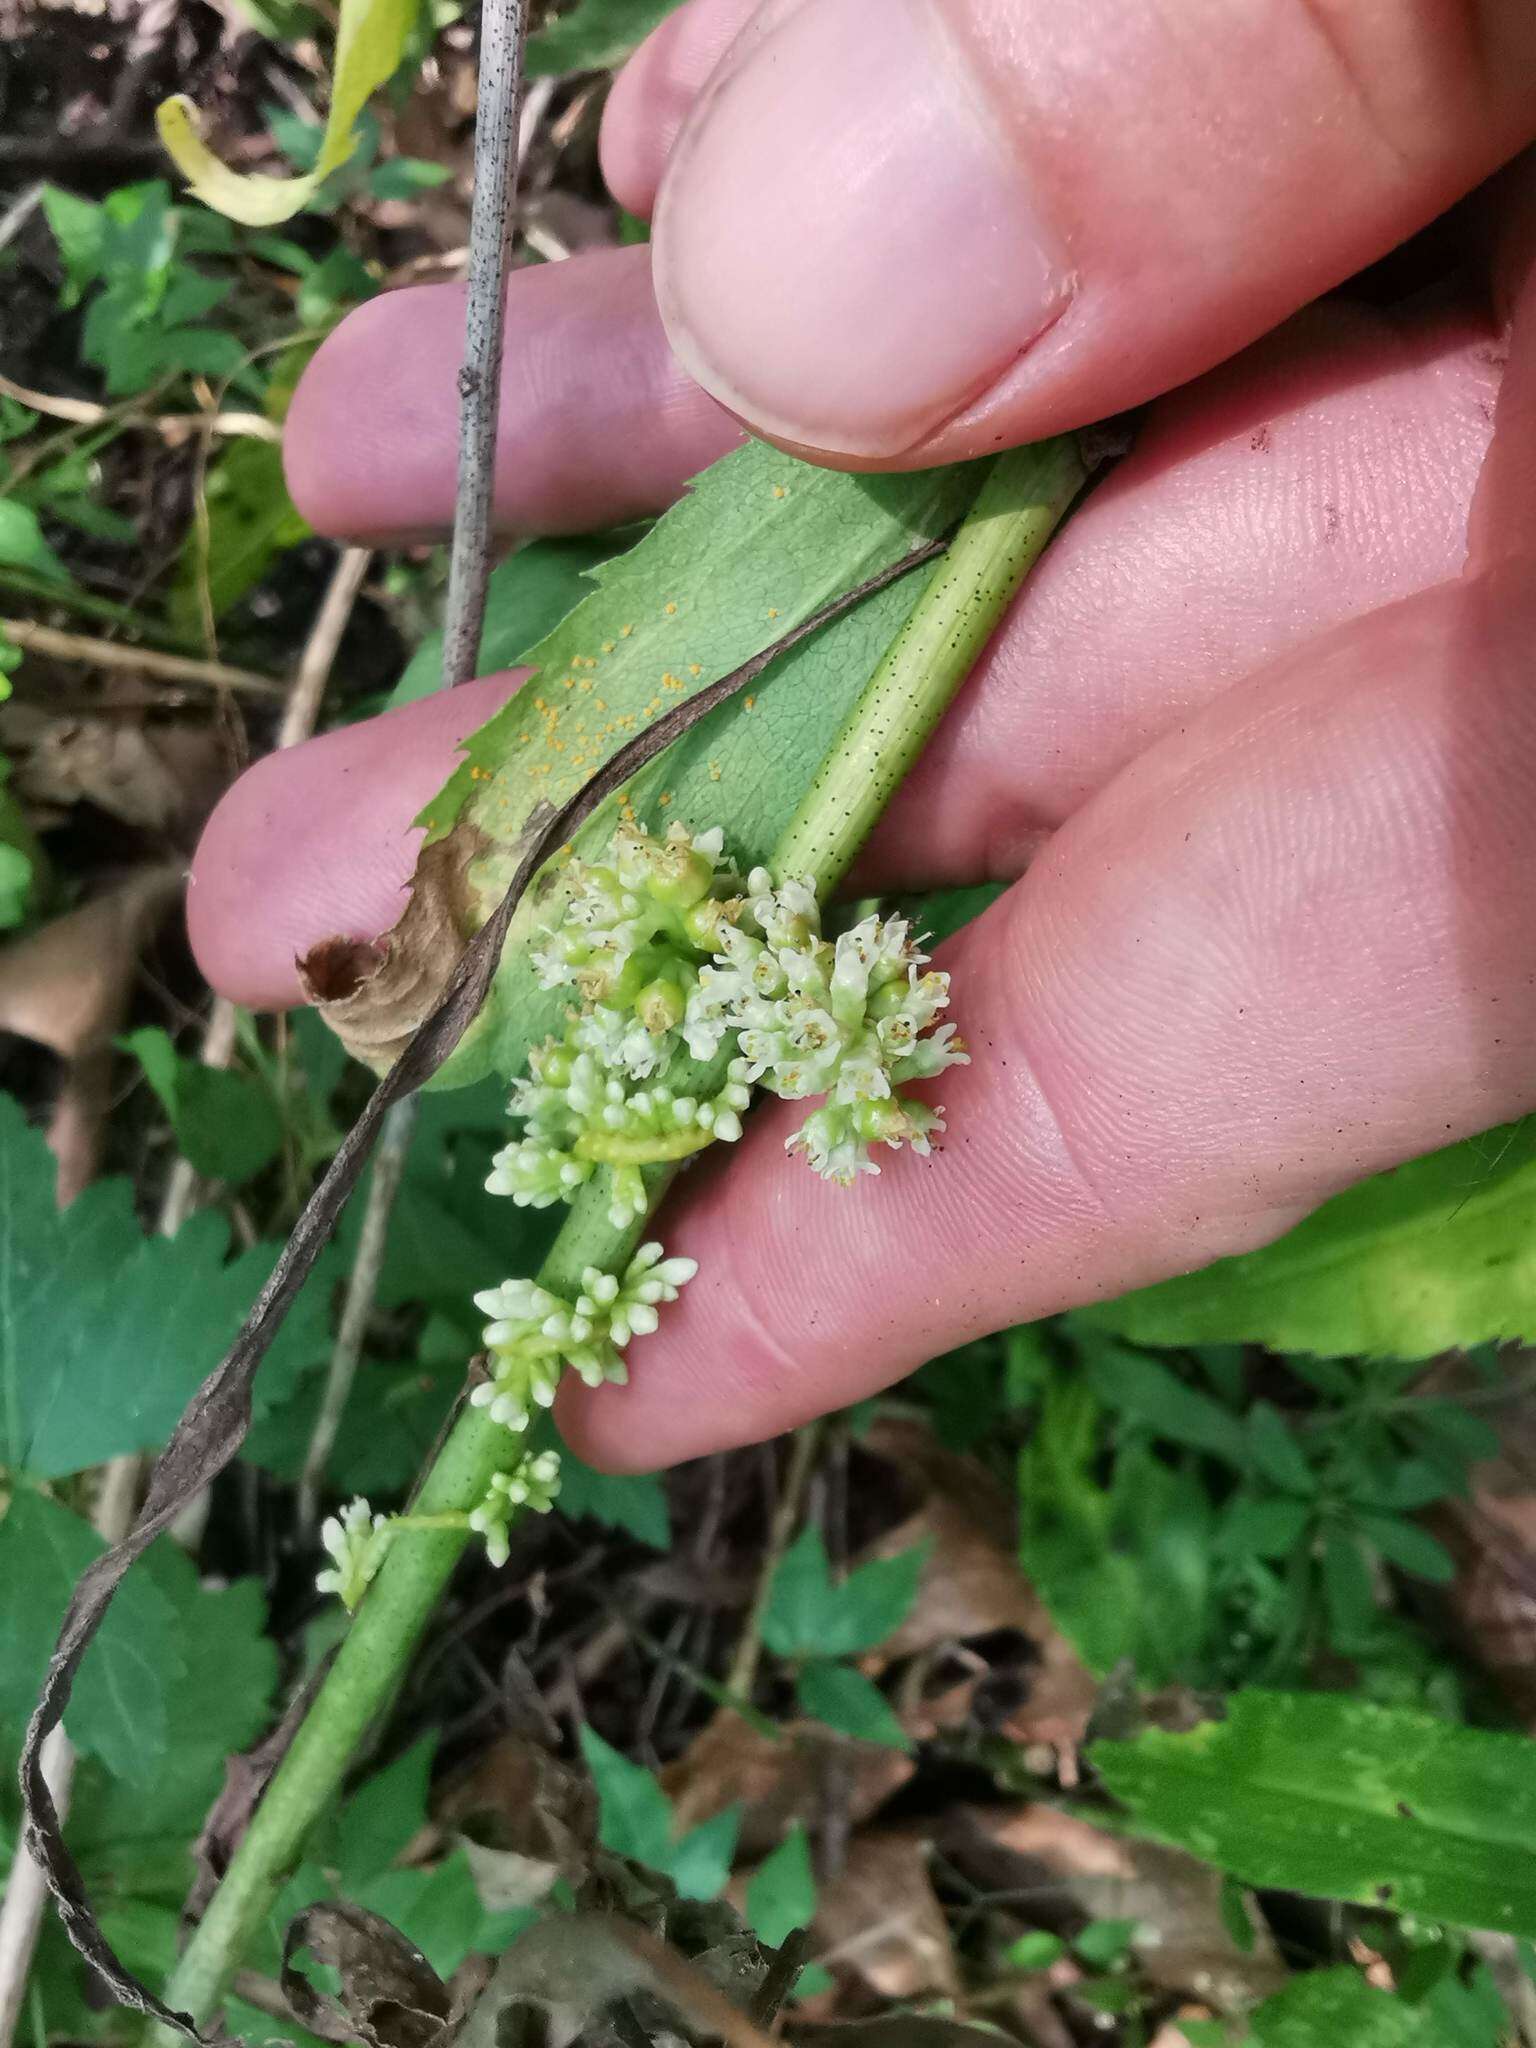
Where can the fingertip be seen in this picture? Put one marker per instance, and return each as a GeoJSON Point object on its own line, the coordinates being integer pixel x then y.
{"type": "Point", "coordinates": [318, 843]}
{"type": "Point", "coordinates": [369, 434]}
{"type": "Point", "coordinates": [652, 95]}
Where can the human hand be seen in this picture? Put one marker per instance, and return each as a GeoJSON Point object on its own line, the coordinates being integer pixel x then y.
{"type": "Point", "coordinates": [1261, 724]}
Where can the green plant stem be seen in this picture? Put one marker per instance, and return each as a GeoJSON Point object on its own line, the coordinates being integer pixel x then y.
{"type": "Point", "coordinates": [968, 590]}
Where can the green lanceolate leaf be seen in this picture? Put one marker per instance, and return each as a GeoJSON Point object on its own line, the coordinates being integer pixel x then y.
{"type": "Point", "coordinates": [370, 42]}
{"type": "Point", "coordinates": [842, 1698]}
{"type": "Point", "coordinates": [594, 35]}
{"type": "Point", "coordinates": [1341, 1799]}
{"type": "Point", "coordinates": [758, 545]}
{"type": "Point", "coordinates": [1437, 1255]}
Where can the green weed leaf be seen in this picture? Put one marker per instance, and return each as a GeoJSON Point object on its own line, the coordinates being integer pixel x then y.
{"type": "Point", "coordinates": [1141, 1387]}
{"type": "Point", "coordinates": [22, 545]}
{"type": "Point", "coordinates": [782, 1894]}
{"type": "Point", "coordinates": [1435, 1256]}
{"type": "Point", "coordinates": [1276, 1453]}
{"type": "Point", "coordinates": [634, 1814]}
{"type": "Point", "coordinates": [118, 1711]}
{"type": "Point", "coordinates": [104, 1333]}
{"type": "Point", "coordinates": [225, 1123]}
{"type": "Point", "coordinates": [633, 1501]}
{"type": "Point", "coordinates": [1341, 1799]}
{"type": "Point", "coordinates": [844, 1699]}
{"type": "Point", "coordinates": [808, 1615]}
{"type": "Point", "coordinates": [594, 35]}
{"type": "Point", "coordinates": [700, 1864]}
{"type": "Point", "coordinates": [1328, 2008]}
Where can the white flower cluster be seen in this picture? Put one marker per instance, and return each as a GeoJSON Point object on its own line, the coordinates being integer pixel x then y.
{"type": "Point", "coordinates": [532, 1483]}
{"type": "Point", "coordinates": [851, 1019]}
{"type": "Point", "coordinates": [356, 1541]}
{"type": "Point", "coordinates": [629, 942]}
{"type": "Point", "coordinates": [667, 948]}
{"type": "Point", "coordinates": [535, 1332]}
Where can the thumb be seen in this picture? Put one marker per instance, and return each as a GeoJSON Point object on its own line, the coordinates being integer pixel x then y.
{"type": "Point", "coordinates": [905, 231]}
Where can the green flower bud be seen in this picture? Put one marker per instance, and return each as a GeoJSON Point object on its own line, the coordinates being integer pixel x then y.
{"type": "Point", "coordinates": [660, 1006]}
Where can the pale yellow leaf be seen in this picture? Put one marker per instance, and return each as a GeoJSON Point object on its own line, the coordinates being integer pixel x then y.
{"type": "Point", "coordinates": [370, 41]}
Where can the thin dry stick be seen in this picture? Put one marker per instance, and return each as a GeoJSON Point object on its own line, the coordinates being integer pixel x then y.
{"type": "Point", "coordinates": [749, 1647]}
{"type": "Point", "coordinates": [490, 254]}
{"type": "Point", "coordinates": [172, 668]}
{"type": "Point", "coordinates": [85, 412]}
{"type": "Point", "coordinates": [362, 1287]}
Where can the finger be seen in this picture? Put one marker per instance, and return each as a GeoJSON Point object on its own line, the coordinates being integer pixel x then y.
{"type": "Point", "coordinates": [1287, 947]}
{"type": "Point", "coordinates": [1237, 528]}
{"type": "Point", "coordinates": [905, 230]}
{"type": "Point", "coordinates": [652, 94]}
{"type": "Point", "coordinates": [1326, 471]}
{"type": "Point", "coordinates": [317, 842]}
{"type": "Point", "coordinates": [1504, 512]}
{"type": "Point", "coordinates": [597, 423]}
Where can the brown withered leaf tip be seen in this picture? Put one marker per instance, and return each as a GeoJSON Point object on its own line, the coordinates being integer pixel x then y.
{"type": "Point", "coordinates": [391, 1997]}
{"type": "Point", "coordinates": [217, 1418]}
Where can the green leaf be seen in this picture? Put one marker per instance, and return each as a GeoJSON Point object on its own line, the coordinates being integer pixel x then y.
{"type": "Point", "coordinates": [1036, 1950]}
{"type": "Point", "coordinates": [370, 42]}
{"type": "Point", "coordinates": [873, 1601]}
{"type": "Point", "coordinates": [759, 544]}
{"type": "Point", "coordinates": [1267, 1527]}
{"type": "Point", "coordinates": [633, 1501]}
{"type": "Point", "coordinates": [1276, 1453]}
{"type": "Point", "coordinates": [1102, 1943]}
{"type": "Point", "coordinates": [1332, 2008]}
{"type": "Point", "coordinates": [1341, 1799]}
{"type": "Point", "coordinates": [382, 1817]}
{"type": "Point", "coordinates": [22, 545]}
{"type": "Point", "coordinates": [20, 861]}
{"type": "Point", "coordinates": [136, 1839]}
{"type": "Point", "coordinates": [1435, 1256]}
{"type": "Point", "coordinates": [700, 1864]}
{"type": "Point", "coordinates": [78, 227]}
{"type": "Point", "coordinates": [846, 1700]}
{"type": "Point", "coordinates": [1409, 1547]}
{"type": "Point", "coordinates": [594, 35]}
{"type": "Point", "coordinates": [634, 1814]}
{"type": "Point", "coordinates": [119, 1710]}
{"type": "Point", "coordinates": [527, 597]}
{"type": "Point", "coordinates": [1142, 1388]}
{"type": "Point", "coordinates": [225, 1123]}
{"type": "Point", "coordinates": [809, 1616]}
{"type": "Point", "coordinates": [1353, 1614]}
{"type": "Point", "coordinates": [251, 520]}
{"type": "Point", "coordinates": [104, 1333]}
{"type": "Point", "coordinates": [782, 1894]}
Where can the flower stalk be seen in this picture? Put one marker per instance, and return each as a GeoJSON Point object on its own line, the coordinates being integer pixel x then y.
{"type": "Point", "coordinates": [1019, 504]}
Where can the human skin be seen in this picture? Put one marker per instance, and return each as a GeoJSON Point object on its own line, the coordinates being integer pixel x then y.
{"type": "Point", "coordinates": [1258, 738]}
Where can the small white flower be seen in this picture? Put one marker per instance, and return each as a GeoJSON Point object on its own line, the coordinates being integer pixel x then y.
{"type": "Point", "coordinates": [356, 1541]}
